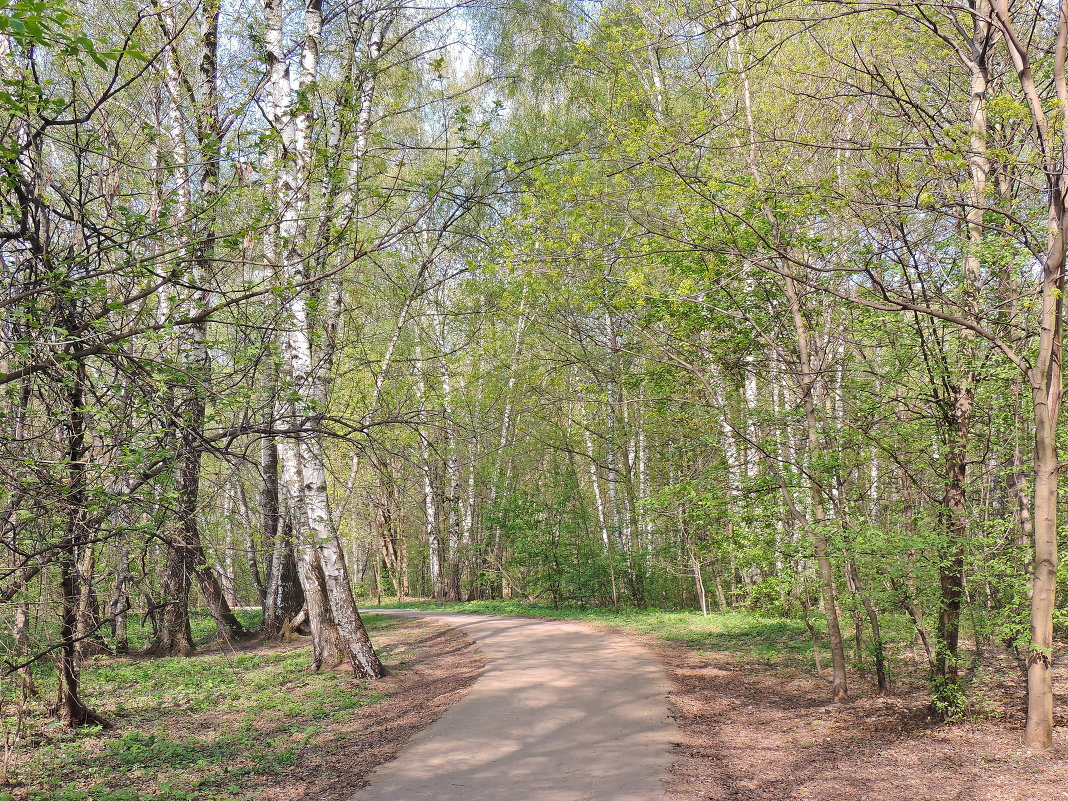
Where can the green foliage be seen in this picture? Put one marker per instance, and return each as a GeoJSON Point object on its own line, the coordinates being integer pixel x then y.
{"type": "Point", "coordinates": [32, 23]}
{"type": "Point", "coordinates": [954, 703]}
{"type": "Point", "coordinates": [548, 534]}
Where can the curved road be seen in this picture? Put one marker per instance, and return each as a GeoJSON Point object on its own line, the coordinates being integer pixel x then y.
{"type": "Point", "coordinates": [563, 712]}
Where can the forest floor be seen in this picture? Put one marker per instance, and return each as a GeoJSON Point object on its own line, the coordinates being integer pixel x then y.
{"type": "Point", "coordinates": [249, 722]}
{"type": "Point", "coordinates": [757, 723]}
{"type": "Point", "coordinates": [253, 723]}
{"type": "Point", "coordinates": [771, 733]}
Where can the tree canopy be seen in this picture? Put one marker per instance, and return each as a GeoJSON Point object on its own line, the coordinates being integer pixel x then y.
{"type": "Point", "coordinates": [726, 304]}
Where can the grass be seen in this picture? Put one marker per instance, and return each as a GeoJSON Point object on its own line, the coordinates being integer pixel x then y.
{"type": "Point", "coordinates": [746, 638]}
{"type": "Point", "coordinates": [765, 640]}
{"type": "Point", "coordinates": [212, 727]}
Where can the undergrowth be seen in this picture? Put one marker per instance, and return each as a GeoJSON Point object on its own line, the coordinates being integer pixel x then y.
{"type": "Point", "coordinates": [210, 727]}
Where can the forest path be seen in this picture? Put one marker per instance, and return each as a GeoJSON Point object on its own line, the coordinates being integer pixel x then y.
{"type": "Point", "coordinates": [563, 712]}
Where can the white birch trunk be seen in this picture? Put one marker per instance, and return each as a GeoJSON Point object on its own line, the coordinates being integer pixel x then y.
{"type": "Point", "coordinates": [306, 462]}
{"type": "Point", "coordinates": [431, 529]}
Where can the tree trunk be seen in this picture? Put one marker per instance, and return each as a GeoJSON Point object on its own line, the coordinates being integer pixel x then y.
{"type": "Point", "coordinates": [248, 524]}
{"type": "Point", "coordinates": [280, 563]}
{"type": "Point", "coordinates": [21, 630]}
{"type": "Point", "coordinates": [327, 648]}
{"type": "Point", "coordinates": [69, 705]}
{"type": "Point", "coordinates": [452, 475]}
{"type": "Point", "coordinates": [120, 600]}
{"type": "Point", "coordinates": [174, 636]}
{"type": "Point", "coordinates": [807, 386]}
{"type": "Point", "coordinates": [881, 677]}
{"type": "Point", "coordinates": [320, 547]}
{"type": "Point", "coordinates": [89, 643]}
{"type": "Point", "coordinates": [191, 392]}
{"type": "Point", "coordinates": [432, 527]}
{"type": "Point", "coordinates": [598, 497]}
{"type": "Point", "coordinates": [959, 414]}
{"type": "Point", "coordinates": [1038, 732]}
{"type": "Point", "coordinates": [326, 640]}
{"type": "Point", "coordinates": [226, 623]}
{"type": "Point", "coordinates": [1045, 375]}
{"type": "Point", "coordinates": [699, 583]}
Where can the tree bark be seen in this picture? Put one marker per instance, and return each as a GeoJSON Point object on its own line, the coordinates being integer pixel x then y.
{"type": "Point", "coordinates": [69, 705]}
{"type": "Point", "coordinates": [321, 546]}
{"type": "Point", "coordinates": [188, 558]}
{"type": "Point", "coordinates": [881, 678]}
{"type": "Point", "coordinates": [431, 524]}
{"type": "Point", "coordinates": [326, 640]}
{"type": "Point", "coordinates": [120, 600]}
{"type": "Point", "coordinates": [818, 531]}
{"type": "Point", "coordinates": [1045, 375]}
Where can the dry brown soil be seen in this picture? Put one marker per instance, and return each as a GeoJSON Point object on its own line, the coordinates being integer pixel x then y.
{"type": "Point", "coordinates": [773, 735]}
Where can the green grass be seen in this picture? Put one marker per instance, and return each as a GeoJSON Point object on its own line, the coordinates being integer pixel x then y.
{"type": "Point", "coordinates": [746, 638]}
{"type": "Point", "coordinates": [211, 727]}
{"type": "Point", "coordinates": [139, 635]}
{"type": "Point", "coordinates": [766, 640]}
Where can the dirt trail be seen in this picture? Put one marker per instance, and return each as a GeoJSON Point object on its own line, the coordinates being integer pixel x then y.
{"type": "Point", "coordinates": [563, 713]}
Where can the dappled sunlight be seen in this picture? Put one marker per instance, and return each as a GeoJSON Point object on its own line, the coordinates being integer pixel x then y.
{"type": "Point", "coordinates": [563, 711]}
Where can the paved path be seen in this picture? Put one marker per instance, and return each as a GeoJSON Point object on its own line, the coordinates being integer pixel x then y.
{"type": "Point", "coordinates": [563, 713]}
